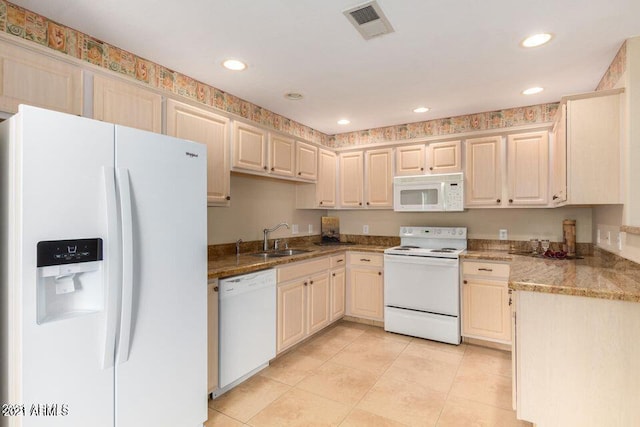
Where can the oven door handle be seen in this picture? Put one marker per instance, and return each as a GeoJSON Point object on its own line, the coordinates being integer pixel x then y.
{"type": "Point", "coordinates": [422, 260]}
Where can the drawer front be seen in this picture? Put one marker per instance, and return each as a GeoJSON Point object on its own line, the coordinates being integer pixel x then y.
{"type": "Point", "coordinates": [366, 259]}
{"type": "Point", "coordinates": [485, 269]}
{"type": "Point", "coordinates": [338, 260]}
{"type": "Point", "coordinates": [302, 269]}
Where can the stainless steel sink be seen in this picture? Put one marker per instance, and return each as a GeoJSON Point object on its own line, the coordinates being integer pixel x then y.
{"type": "Point", "coordinates": [280, 253]}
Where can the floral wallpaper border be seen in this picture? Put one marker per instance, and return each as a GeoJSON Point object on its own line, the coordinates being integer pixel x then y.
{"type": "Point", "coordinates": [28, 25]}
{"type": "Point", "coordinates": [500, 119]}
{"type": "Point", "coordinates": [615, 71]}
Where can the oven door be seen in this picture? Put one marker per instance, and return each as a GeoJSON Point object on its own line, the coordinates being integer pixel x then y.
{"type": "Point", "coordinates": [422, 283]}
{"type": "Point", "coordinates": [419, 197]}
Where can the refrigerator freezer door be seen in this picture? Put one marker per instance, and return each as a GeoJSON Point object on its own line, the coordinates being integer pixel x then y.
{"type": "Point", "coordinates": [59, 166]}
{"type": "Point", "coordinates": [164, 380]}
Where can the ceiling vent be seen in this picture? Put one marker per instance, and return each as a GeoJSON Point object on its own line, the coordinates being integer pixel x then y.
{"type": "Point", "coordinates": [369, 20]}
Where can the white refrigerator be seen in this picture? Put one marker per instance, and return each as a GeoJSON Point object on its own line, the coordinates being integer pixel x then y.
{"type": "Point", "coordinates": [104, 275]}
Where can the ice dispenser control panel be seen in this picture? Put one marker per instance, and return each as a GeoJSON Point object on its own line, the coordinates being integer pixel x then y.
{"type": "Point", "coordinates": [58, 252]}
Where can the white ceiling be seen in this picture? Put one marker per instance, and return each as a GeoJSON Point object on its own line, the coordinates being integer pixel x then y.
{"type": "Point", "coordinates": [457, 56]}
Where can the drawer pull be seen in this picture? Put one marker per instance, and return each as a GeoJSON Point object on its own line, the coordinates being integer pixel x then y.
{"type": "Point", "coordinates": [485, 269]}
{"type": "Point", "coordinates": [365, 260]}
{"type": "Point", "coordinates": [340, 260]}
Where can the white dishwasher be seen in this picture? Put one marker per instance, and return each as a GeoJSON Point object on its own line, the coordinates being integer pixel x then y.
{"type": "Point", "coordinates": [247, 325]}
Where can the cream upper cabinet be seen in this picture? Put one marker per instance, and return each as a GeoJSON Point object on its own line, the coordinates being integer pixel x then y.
{"type": "Point", "coordinates": [379, 178]}
{"type": "Point", "coordinates": [410, 160]}
{"type": "Point", "coordinates": [32, 78]}
{"type": "Point", "coordinates": [593, 138]}
{"type": "Point", "coordinates": [351, 179]}
{"type": "Point", "coordinates": [212, 335]}
{"type": "Point", "coordinates": [326, 185]}
{"type": "Point", "coordinates": [365, 285]}
{"type": "Point", "coordinates": [249, 147]}
{"type": "Point", "coordinates": [527, 168]}
{"type": "Point", "coordinates": [444, 157]}
{"type": "Point", "coordinates": [126, 104]}
{"type": "Point", "coordinates": [486, 313]}
{"type": "Point", "coordinates": [306, 161]}
{"type": "Point", "coordinates": [483, 171]}
{"type": "Point", "coordinates": [199, 125]}
{"type": "Point", "coordinates": [559, 157]}
{"type": "Point", "coordinates": [281, 155]}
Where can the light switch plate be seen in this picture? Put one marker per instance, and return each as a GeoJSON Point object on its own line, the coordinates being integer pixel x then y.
{"type": "Point", "coordinates": [310, 228]}
{"type": "Point", "coordinates": [503, 234]}
{"type": "Point", "coordinates": [365, 229]}
{"type": "Point", "coordinates": [294, 228]}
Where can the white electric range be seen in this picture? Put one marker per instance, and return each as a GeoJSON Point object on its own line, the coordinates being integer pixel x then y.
{"type": "Point", "coordinates": [422, 283]}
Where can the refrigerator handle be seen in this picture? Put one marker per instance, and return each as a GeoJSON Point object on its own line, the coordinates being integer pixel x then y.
{"type": "Point", "coordinates": [124, 188]}
{"type": "Point", "coordinates": [110, 278]}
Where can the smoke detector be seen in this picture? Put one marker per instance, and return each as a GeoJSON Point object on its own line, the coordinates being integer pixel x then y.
{"type": "Point", "coordinates": [369, 20]}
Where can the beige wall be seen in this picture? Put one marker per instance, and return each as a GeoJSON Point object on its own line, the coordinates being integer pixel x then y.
{"type": "Point", "coordinates": [521, 224]}
{"type": "Point", "coordinates": [258, 203]}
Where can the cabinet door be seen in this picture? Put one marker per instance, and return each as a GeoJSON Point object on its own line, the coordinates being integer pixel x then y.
{"type": "Point", "coordinates": [379, 178]}
{"type": "Point", "coordinates": [318, 304]}
{"type": "Point", "coordinates": [445, 157]}
{"type": "Point", "coordinates": [527, 168]}
{"type": "Point", "coordinates": [351, 179]}
{"type": "Point", "coordinates": [306, 161]}
{"type": "Point", "coordinates": [195, 124]}
{"type": "Point", "coordinates": [483, 172]}
{"type": "Point", "coordinates": [126, 104]}
{"type": "Point", "coordinates": [249, 147]}
{"type": "Point", "coordinates": [485, 310]}
{"type": "Point", "coordinates": [35, 79]}
{"type": "Point", "coordinates": [559, 153]}
{"type": "Point", "coordinates": [291, 314]}
{"type": "Point", "coordinates": [410, 160]}
{"type": "Point", "coordinates": [281, 155]}
{"type": "Point", "coordinates": [366, 293]}
{"type": "Point", "coordinates": [338, 282]}
{"type": "Point", "coordinates": [326, 185]}
{"type": "Point", "coordinates": [212, 332]}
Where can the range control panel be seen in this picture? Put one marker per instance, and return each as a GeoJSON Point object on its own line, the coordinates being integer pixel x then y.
{"type": "Point", "coordinates": [58, 252]}
{"type": "Point", "coordinates": [434, 232]}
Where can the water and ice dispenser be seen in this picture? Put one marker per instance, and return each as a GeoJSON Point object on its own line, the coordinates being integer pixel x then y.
{"type": "Point", "coordinates": [70, 280]}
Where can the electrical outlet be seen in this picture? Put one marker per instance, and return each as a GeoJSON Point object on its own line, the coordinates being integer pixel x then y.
{"type": "Point", "coordinates": [294, 228]}
{"type": "Point", "coordinates": [598, 237]}
{"type": "Point", "coordinates": [608, 238]}
{"type": "Point", "coordinates": [310, 228]}
{"type": "Point", "coordinates": [619, 240]}
{"type": "Point", "coordinates": [365, 229]}
{"type": "Point", "coordinates": [503, 234]}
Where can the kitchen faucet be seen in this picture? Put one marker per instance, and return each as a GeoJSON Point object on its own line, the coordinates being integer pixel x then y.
{"type": "Point", "coordinates": [266, 231]}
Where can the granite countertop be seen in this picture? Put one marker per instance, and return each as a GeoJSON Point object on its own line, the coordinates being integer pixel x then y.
{"type": "Point", "coordinates": [600, 276]}
{"type": "Point", "coordinates": [232, 265]}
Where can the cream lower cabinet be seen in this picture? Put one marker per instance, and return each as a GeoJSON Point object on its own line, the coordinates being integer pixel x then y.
{"type": "Point", "coordinates": [338, 283]}
{"type": "Point", "coordinates": [304, 300]}
{"type": "Point", "coordinates": [199, 125]}
{"type": "Point", "coordinates": [212, 335]}
{"type": "Point", "coordinates": [36, 79]}
{"type": "Point", "coordinates": [485, 301]}
{"type": "Point", "coordinates": [127, 104]}
{"type": "Point", "coordinates": [365, 285]}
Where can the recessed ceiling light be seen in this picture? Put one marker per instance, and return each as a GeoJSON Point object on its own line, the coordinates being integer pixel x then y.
{"type": "Point", "coordinates": [536, 40]}
{"type": "Point", "coordinates": [293, 96]}
{"type": "Point", "coordinates": [344, 122]}
{"type": "Point", "coordinates": [421, 110]}
{"type": "Point", "coordinates": [234, 65]}
{"type": "Point", "coordinates": [532, 90]}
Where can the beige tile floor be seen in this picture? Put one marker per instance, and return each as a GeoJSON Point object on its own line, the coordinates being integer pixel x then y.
{"type": "Point", "coordinates": [360, 375]}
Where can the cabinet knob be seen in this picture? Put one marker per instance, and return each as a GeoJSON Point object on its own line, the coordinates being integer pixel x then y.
{"type": "Point", "coordinates": [497, 200]}
{"type": "Point", "coordinates": [421, 169]}
{"type": "Point", "coordinates": [305, 283]}
{"type": "Point", "coordinates": [272, 169]}
{"type": "Point", "coordinates": [379, 273]}
{"type": "Point", "coordinates": [299, 173]}
{"type": "Point", "coordinates": [215, 289]}
{"type": "Point", "coordinates": [360, 203]}
{"type": "Point", "coordinates": [510, 301]}
{"type": "Point", "coordinates": [321, 202]}
{"type": "Point", "coordinates": [333, 274]}
{"type": "Point", "coordinates": [266, 168]}
{"type": "Point", "coordinates": [555, 197]}
{"type": "Point", "coordinates": [367, 203]}
{"type": "Point", "coordinates": [228, 197]}
{"type": "Point", "coordinates": [431, 168]}
{"type": "Point", "coordinates": [510, 200]}
{"type": "Point", "coordinates": [464, 281]}
{"type": "Point", "coordinates": [311, 282]}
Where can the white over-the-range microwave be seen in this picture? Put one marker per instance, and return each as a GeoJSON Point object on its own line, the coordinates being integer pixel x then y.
{"type": "Point", "coordinates": [428, 193]}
